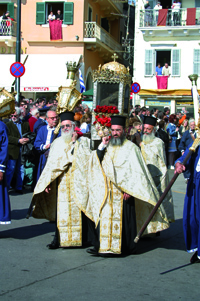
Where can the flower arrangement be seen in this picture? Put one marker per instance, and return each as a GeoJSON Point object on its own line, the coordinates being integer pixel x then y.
{"type": "Point", "coordinates": [102, 121]}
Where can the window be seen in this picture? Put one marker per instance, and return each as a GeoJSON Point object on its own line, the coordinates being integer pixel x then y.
{"type": "Point", "coordinates": [175, 62]}
{"type": "Point", "coordinates": [196, 62]}
{"type": "Point", "coordinates": [153, 57]}
{"type": "Point", "coordinates": [7, 7]}
{"type": "Point", "coordinates": [197, 3]}
{"type": "Point", "coordinates": [89, 14]}
{"type": "Point", "coordinates": [43, 9]}
{"type": "Point", "coordinates": [149, 62]}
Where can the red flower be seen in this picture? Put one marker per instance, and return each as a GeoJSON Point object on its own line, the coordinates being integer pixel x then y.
{"type": "Point", "coordinates": [114, 108]}
{"type": "Point", "coordinates": [112, 111]}
{"type": "Point", "coordinates": [95, 110]}
{"type": "Point", "coordinates": [94, 122]}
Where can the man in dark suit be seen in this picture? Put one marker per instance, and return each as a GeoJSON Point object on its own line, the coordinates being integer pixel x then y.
{"type": "Point", "coordinates": [16, 130]}
{"type": "Point", "coordinates": [187, 138]}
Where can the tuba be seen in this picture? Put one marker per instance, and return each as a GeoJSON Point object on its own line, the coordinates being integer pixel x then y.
{"type": "Point", "coordinates": [7, 103]}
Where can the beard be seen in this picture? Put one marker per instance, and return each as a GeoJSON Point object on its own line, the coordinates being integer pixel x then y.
{"type": "Point", "coordinates": [67, 136]}
{"type": "Point", "coordinates": [147, 138]}
{"type": "Point", "coordinates": [117, 141]}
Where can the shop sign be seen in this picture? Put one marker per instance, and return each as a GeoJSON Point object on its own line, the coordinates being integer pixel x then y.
{"type": "Point", "coordinates": [36, 89]}
{"type": "Point", "coordinates": [158, 103]}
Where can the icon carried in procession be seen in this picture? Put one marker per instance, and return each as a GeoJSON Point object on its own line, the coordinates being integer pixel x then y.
{"type": "Point", "coordinates": [17, 69]}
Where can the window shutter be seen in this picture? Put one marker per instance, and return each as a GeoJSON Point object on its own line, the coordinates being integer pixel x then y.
{"type": "Point", "coordinates": [68, 13]}
{"type": "Point", "coordinates": [10, 8]}
{"type": "Point", "coordinates": [175, 62]}
{"type": "Point", "coordinates": [148, 62]}
{"type": "Point", "coordinates": [40, 13]}
{"type": "Point", "coordinates": [196, 62]}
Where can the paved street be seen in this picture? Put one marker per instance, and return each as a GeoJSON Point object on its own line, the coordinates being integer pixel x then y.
{"type": "Point", "coordinates": [29, 271]}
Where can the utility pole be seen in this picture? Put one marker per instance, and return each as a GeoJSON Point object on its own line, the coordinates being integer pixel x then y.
{"type": "Point", "coordinates": [18, 47]}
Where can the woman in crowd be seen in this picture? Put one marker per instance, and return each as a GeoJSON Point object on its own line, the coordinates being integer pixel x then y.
{"type": "Point", "coordinates": [184, 127]}
{"type": "Point", "coordinates": [172, 130]}
{"type": "Point", "coordinates": [85, 123]}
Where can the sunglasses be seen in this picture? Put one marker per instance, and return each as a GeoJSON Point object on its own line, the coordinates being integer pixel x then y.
{"type": "Point", "coordinates": [66, 126]}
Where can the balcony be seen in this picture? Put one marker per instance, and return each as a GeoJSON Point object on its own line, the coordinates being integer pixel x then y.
{"type": "Point", "coordinates": [176, 24]}
{"type": "Point", "coordinates": [98, 39]}
{"type": "Point", "coordinates": [8, 32]}
{"type": "Point", "coordinates": [149, 17]}
{"type": "Point", "coordinates": [109, 6]}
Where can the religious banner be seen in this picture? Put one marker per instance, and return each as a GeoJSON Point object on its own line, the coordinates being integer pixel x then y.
{"type": "Point", "coordinates": [162, 82]}
{"type": "Point", "coordinates": [55, 30]}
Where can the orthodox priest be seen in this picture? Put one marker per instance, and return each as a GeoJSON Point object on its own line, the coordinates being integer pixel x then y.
{"type": "Point", "coordinates": [121, 193]}
{"type": "Point", "coordinates": [153, 152]}
{"type": "Point", "coordinates": [5, 216]}
{"type": "Point", "coordinates": [53, 196]}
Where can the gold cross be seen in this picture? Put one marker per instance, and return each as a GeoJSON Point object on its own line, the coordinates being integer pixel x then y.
{"type": "Point", "coordinates": [114, 56]}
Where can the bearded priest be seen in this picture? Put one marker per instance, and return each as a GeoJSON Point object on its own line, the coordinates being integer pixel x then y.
{"type": "Point", "coordinates": [153, 152]}
{"type": "Point", "coordinates": [53, 196]}
{"type": "Point", "coordinates": [123, 196]}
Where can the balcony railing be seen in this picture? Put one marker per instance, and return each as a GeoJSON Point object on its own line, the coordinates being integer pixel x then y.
{"type": "Point", "coordinates": [92, 30]}
{"type": "Point", "coordinates": [149, 17]}
{"type": "Point", "coordinates": [8, 28]}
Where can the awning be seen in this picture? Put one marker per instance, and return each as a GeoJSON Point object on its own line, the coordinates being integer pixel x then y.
{"type": "Point", "coordinates": [44, 72]}
{"type": "Point", "coordinates": [88, 92]}
{"type": "Point", "coordinates": [165, 92]}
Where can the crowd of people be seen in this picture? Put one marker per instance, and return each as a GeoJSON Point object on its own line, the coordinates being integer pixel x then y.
{"type": "Point", "coordinates": [176, 130]}
{"type": "Point", "coordinates": [63, 170]}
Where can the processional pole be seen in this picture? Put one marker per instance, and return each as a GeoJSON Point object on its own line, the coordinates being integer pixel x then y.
{"type": "Point", "coordinates": [18, 47]}
{"type": "Point", "coordinates": [195, 96]}
{"type": "Point", "coordinates": [192, 149]}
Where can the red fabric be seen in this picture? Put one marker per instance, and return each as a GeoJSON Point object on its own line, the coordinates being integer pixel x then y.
{"type": "Point", "coordinates": [162, 17]}
{"type": "Point", "coordinates": [8, 23]}
{"type": "Point", "coordinates": [162, 82]}
{"type": "Point", "coordinates": [55, 30]}
{"type": "Point", "coordinates": [32, 120]}
{"type": "Point", "coordinates": [78, 131]}
{"type": "Point", "coordinates": [191, 16]}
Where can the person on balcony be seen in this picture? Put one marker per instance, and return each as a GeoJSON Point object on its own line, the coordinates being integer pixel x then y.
{"type": "Point", "coordinates": [147, 16]}
{"type": "Point", "coordinates": [176, 12]}
{"type": "Point", "coordinates": [51, 17]}
{"type": "Point", "coordinates": [158, 70]}
{"type": "Point", "coordinates": [59, 16]}
{"type": "Point", "coordinates": [166, 70]}
{"type": "Point", "coordinates": [156, 9]}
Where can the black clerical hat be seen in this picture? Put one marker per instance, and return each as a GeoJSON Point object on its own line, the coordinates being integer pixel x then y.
{"type": "Point", "coordinates": [44, 109]}
{"type": "Point", "coordinates": [118, 120]}
{"type": "Point", "coordinates": [150, 120]}
{"type": "Point", "coordinates": [67, 116]}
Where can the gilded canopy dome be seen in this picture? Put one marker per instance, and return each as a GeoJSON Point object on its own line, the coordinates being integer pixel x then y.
{"type": "Point", "coordinates": [115, 66]}
{"type": "Point", "coordinates": [112, 72]}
